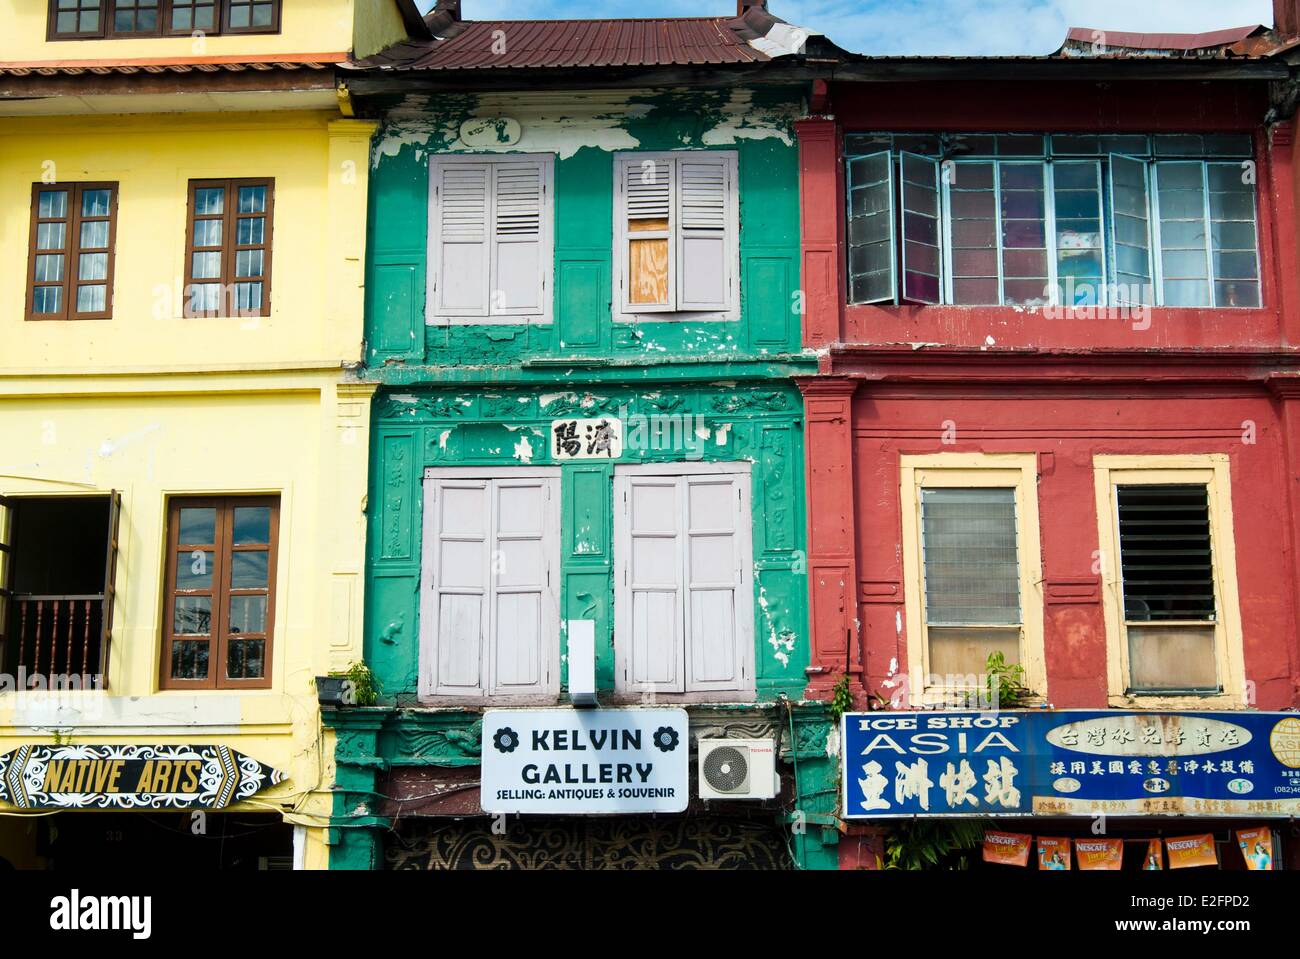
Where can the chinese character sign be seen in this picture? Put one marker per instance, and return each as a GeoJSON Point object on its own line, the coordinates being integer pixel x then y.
{"type": "Point", "coordinates": [1070, 762]}
{"type": "Point", "coordinates": [587, 439]}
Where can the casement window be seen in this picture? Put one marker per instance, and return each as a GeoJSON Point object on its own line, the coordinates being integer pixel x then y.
{"type": "Point", "coordinates": [988, 220]}
{"type": "Point", "coordinates": [970, 531]}
{"type": "Point", "coordinates": [489, 591]}
{"type": "Point", "coordinates": [71, 248]}
{"type": "Point", "coordinates": [676, 229]}
{"type": "Point", "coordinates": [490, 239]}
{"type": "Point", "coordinates": [683, 594]}
{"type": "Point", "coordinates": [58, 563]}
{"type": "Point", "coordinates": [1169, 578]}
{"type": "Point", "coordinates": [219, 606]}
{"type": "Point", "coordinates": [100, 19]}
{"type": "Point", "coordinates": [228, 247]}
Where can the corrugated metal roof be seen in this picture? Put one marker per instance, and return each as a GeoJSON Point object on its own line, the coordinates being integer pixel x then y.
{"type": "Point", "coordinates": [661, 41]}
{"type": "Point", "coordinates": [218, 64]}
{"type": "Point", "coordinates": [1161, 41]}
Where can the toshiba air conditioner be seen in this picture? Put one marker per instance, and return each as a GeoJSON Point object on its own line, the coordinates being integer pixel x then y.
{"type": "Point", "coordinates": [738, 769]}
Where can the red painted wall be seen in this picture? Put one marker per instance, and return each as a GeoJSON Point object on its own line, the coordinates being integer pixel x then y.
{"type": "Point", "coordinates": [1066, 388]}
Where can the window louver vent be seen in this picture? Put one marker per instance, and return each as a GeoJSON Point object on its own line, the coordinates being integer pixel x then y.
{"type": "Point", "coordinates": [1165, 553]}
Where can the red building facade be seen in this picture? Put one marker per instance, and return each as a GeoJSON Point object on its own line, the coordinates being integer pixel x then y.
{"type": "Point", "coordinates": [1101, 485]}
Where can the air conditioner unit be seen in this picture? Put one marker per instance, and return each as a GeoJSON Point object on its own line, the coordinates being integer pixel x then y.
{"type": "Point", "coordinates": [738, 769]}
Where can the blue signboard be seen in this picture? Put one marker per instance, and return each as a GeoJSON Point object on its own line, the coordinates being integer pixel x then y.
{"type": "Point", "coordinates": [1070, 762]}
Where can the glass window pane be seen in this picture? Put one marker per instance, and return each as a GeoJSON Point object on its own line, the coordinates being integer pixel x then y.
{"type": "Point", "coordinates": [262, 13]}
{"type": "Point", "coordinates": [207, 233]}
{"type": "Point", "coordinates": [248, 297]}
{"type": "Point", "coordinates": [92, 299]}
{"type": "Point", "coordinates": [1024, 233]}
{"type": "Point", "coordinates": [49, 268]}
{"type": "Point", "coordinates": [192, 615]}
{"type": "Point", "coordinates": [95, 202]}
{"type": "Point", "coordinates": [94, 235]}
{"type": "Point", "coordinates": [92, 266]}
{"type": "Point", "coordinates": [204, 298]}
{"type": "Point", "coordinates": [1184, 258]}
{"type": "Point", "coordinates": [252, 525]}
{"type": "Point", "coordinates": [251, 230]}
{"type": "Point", "coordinates": [1164, 658]}
{"type": "Point", "coordinates": [47, 299]}
{"type": "Point", "coordinates": [974, 239]}
{"type": "Point", "coordinates": [206, 266]}
{"type": "Point", "coordinates": [194, 569]}
{"type": "Point", "coordinates": [52, 204]}
{"type": "Point", "coordinates": [1079, 242]}
{"type": "Point", "coordinates": [252, 199]}
{"type": "Point", "coordinates": [209, 200]}
{"type": "Point", "coordinates": [248, 570]}
{"type": "Point", "coordinates": [198, 526]}
{"type": "Point", "coordinates": [246, 659]}
{"type": "Point", "coordinates": [247, 614]}
{"type": "Point", "coordinates": [248, 263]}
{"type": "Point", "coordinates": [51, 236]}
{"type": "Point", "coordinates": [969, 553]}
{"type": "Point", "coordinates": [189, 659]}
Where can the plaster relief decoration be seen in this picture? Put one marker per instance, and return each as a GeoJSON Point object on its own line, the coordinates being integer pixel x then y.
{"type": "Point", "coordinates": [485, 132]}
{"type": "Point", "coordinates": [131, 777]}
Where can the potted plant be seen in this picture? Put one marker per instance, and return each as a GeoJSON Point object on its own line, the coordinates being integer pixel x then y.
{"type": "Point", "coordinates": [356, 686]}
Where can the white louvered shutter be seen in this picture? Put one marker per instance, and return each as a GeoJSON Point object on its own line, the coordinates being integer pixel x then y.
{"type": "Point", "coordinates": [525, 617]}
{"type": "Point", "coordinates": [705, 203]}
{"type": "Point", "coordinates": [460, 223]}
{"type": "Point", "coordinates": [646, 186]}
{"type": "Point", "coordinates": [518, 233]}
{"type": "Point", "coordinates": [649, 620]}
{"type": "Point", "coordinates": [716, 578]}
{"type": "Point", "coordinates": [457, 583]}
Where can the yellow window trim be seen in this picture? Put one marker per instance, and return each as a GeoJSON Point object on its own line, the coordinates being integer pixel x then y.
{"type": "Point", "coordinates": [1212, 469]}
{"type": "Point", "coordinates": [1018, 471]}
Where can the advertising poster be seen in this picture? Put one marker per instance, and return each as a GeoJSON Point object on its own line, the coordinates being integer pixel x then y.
{"type": "Point", "coordinates": [1186, 852]}
{"type": "Point", "coordinates": [1053, 853]}
{"type": "Point", "coordinates": [1100, 854]}
{"type": "Point", "coordinates": [1155, 857]}
{"type": "Point", "coordinates": [1006, 848]}
{"type": "Point", "coordinates": [1256, 848]}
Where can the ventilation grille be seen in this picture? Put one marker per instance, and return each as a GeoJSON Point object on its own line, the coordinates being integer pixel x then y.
{"type": "Point", "coordinates": [726, 769]}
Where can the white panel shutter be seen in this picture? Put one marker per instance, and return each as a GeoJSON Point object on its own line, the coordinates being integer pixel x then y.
{"type": "Point", "coordinates": [459, 224]}
{"type": "Point", "coordinates": [649, 617]}
{"type": "Point", "coordinates": [717, 558]}
{"type": "Point", "coordinates": [525, 616]}
{"type": "Point", "coordinates": [707, 234]}
{"type": "Point", "coordinates": [646, 188]}
{"type": "Point", "coordinates": [456, 580]}
{"type": "Point", "coordinates": [519, 231]}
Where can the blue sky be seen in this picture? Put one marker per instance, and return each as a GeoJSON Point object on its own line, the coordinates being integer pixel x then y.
{"type": "Point", "coordinates": [978, 27]}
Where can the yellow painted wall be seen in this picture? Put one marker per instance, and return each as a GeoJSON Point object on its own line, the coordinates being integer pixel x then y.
{"type": "Point", "coordinates": [295, 434]}
{"type": "Point", "coordinates": [377, 24]}
{"type": "Point", "coordinates": [320, 166]}
{"type": "Point", "coordinates": [306, 26]}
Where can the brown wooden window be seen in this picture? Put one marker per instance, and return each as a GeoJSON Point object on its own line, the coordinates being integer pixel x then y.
{"type": "Point", "coordinates": [70, 267]}
{"type": "Point", "coordinates": [101, 19]}
{"type": "Point", "coordinates": [58, 563]}
{"type": "Point", "coordinates": [220, 601]}
{"type": "Point", "coordinates": [228, 248]}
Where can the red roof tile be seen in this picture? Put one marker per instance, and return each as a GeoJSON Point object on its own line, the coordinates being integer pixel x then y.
{"type": "Point", "coordinates": [1161, 41]}
{"type": "Point", "coordinates": [496, 44]}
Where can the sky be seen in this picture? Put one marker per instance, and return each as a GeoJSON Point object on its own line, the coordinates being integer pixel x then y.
{"type": "Point", "coordinates": [972, 27]}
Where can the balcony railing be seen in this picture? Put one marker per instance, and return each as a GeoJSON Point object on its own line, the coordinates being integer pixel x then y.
{"type": "Point", "coordinates": [57, 635]}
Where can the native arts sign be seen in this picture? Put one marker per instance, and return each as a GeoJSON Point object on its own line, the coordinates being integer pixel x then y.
{"type": "Point", "coordinates": [130, 777]}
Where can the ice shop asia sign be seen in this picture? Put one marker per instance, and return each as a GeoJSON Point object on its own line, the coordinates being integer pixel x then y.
{"type": "Point", "coordinates": [1070, 762]}
{"type": "Point", "coordinates": [579, 761]}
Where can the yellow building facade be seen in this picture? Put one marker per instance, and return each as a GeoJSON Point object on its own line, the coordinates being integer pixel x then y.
{"type": "Point", "coordinates": [182, 466]}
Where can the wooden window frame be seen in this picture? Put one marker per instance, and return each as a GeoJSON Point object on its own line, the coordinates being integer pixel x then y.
{"type": "Point", "coordinates": [229, 248]}
{"type": "Point", "coordinates": [625, 311]}
{"type": "Point", "coordinates": [1018, 471]}
{"type": "Point", "coordinates": [1213, 470]}
{"type": "Point", "coordinates": [220, 591]}
{"type": "Point", "coordinates": [71, 249]}
{"type": "Point", "coordinates": [109, 7]}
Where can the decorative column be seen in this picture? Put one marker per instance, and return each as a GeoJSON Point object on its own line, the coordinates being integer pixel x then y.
{"type": "Point", "coordinates": [821, 229]}
{"type": "Point", "coordinates": [832, 532]}
{"type": "Point", "coordinates": [1282, 180]}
